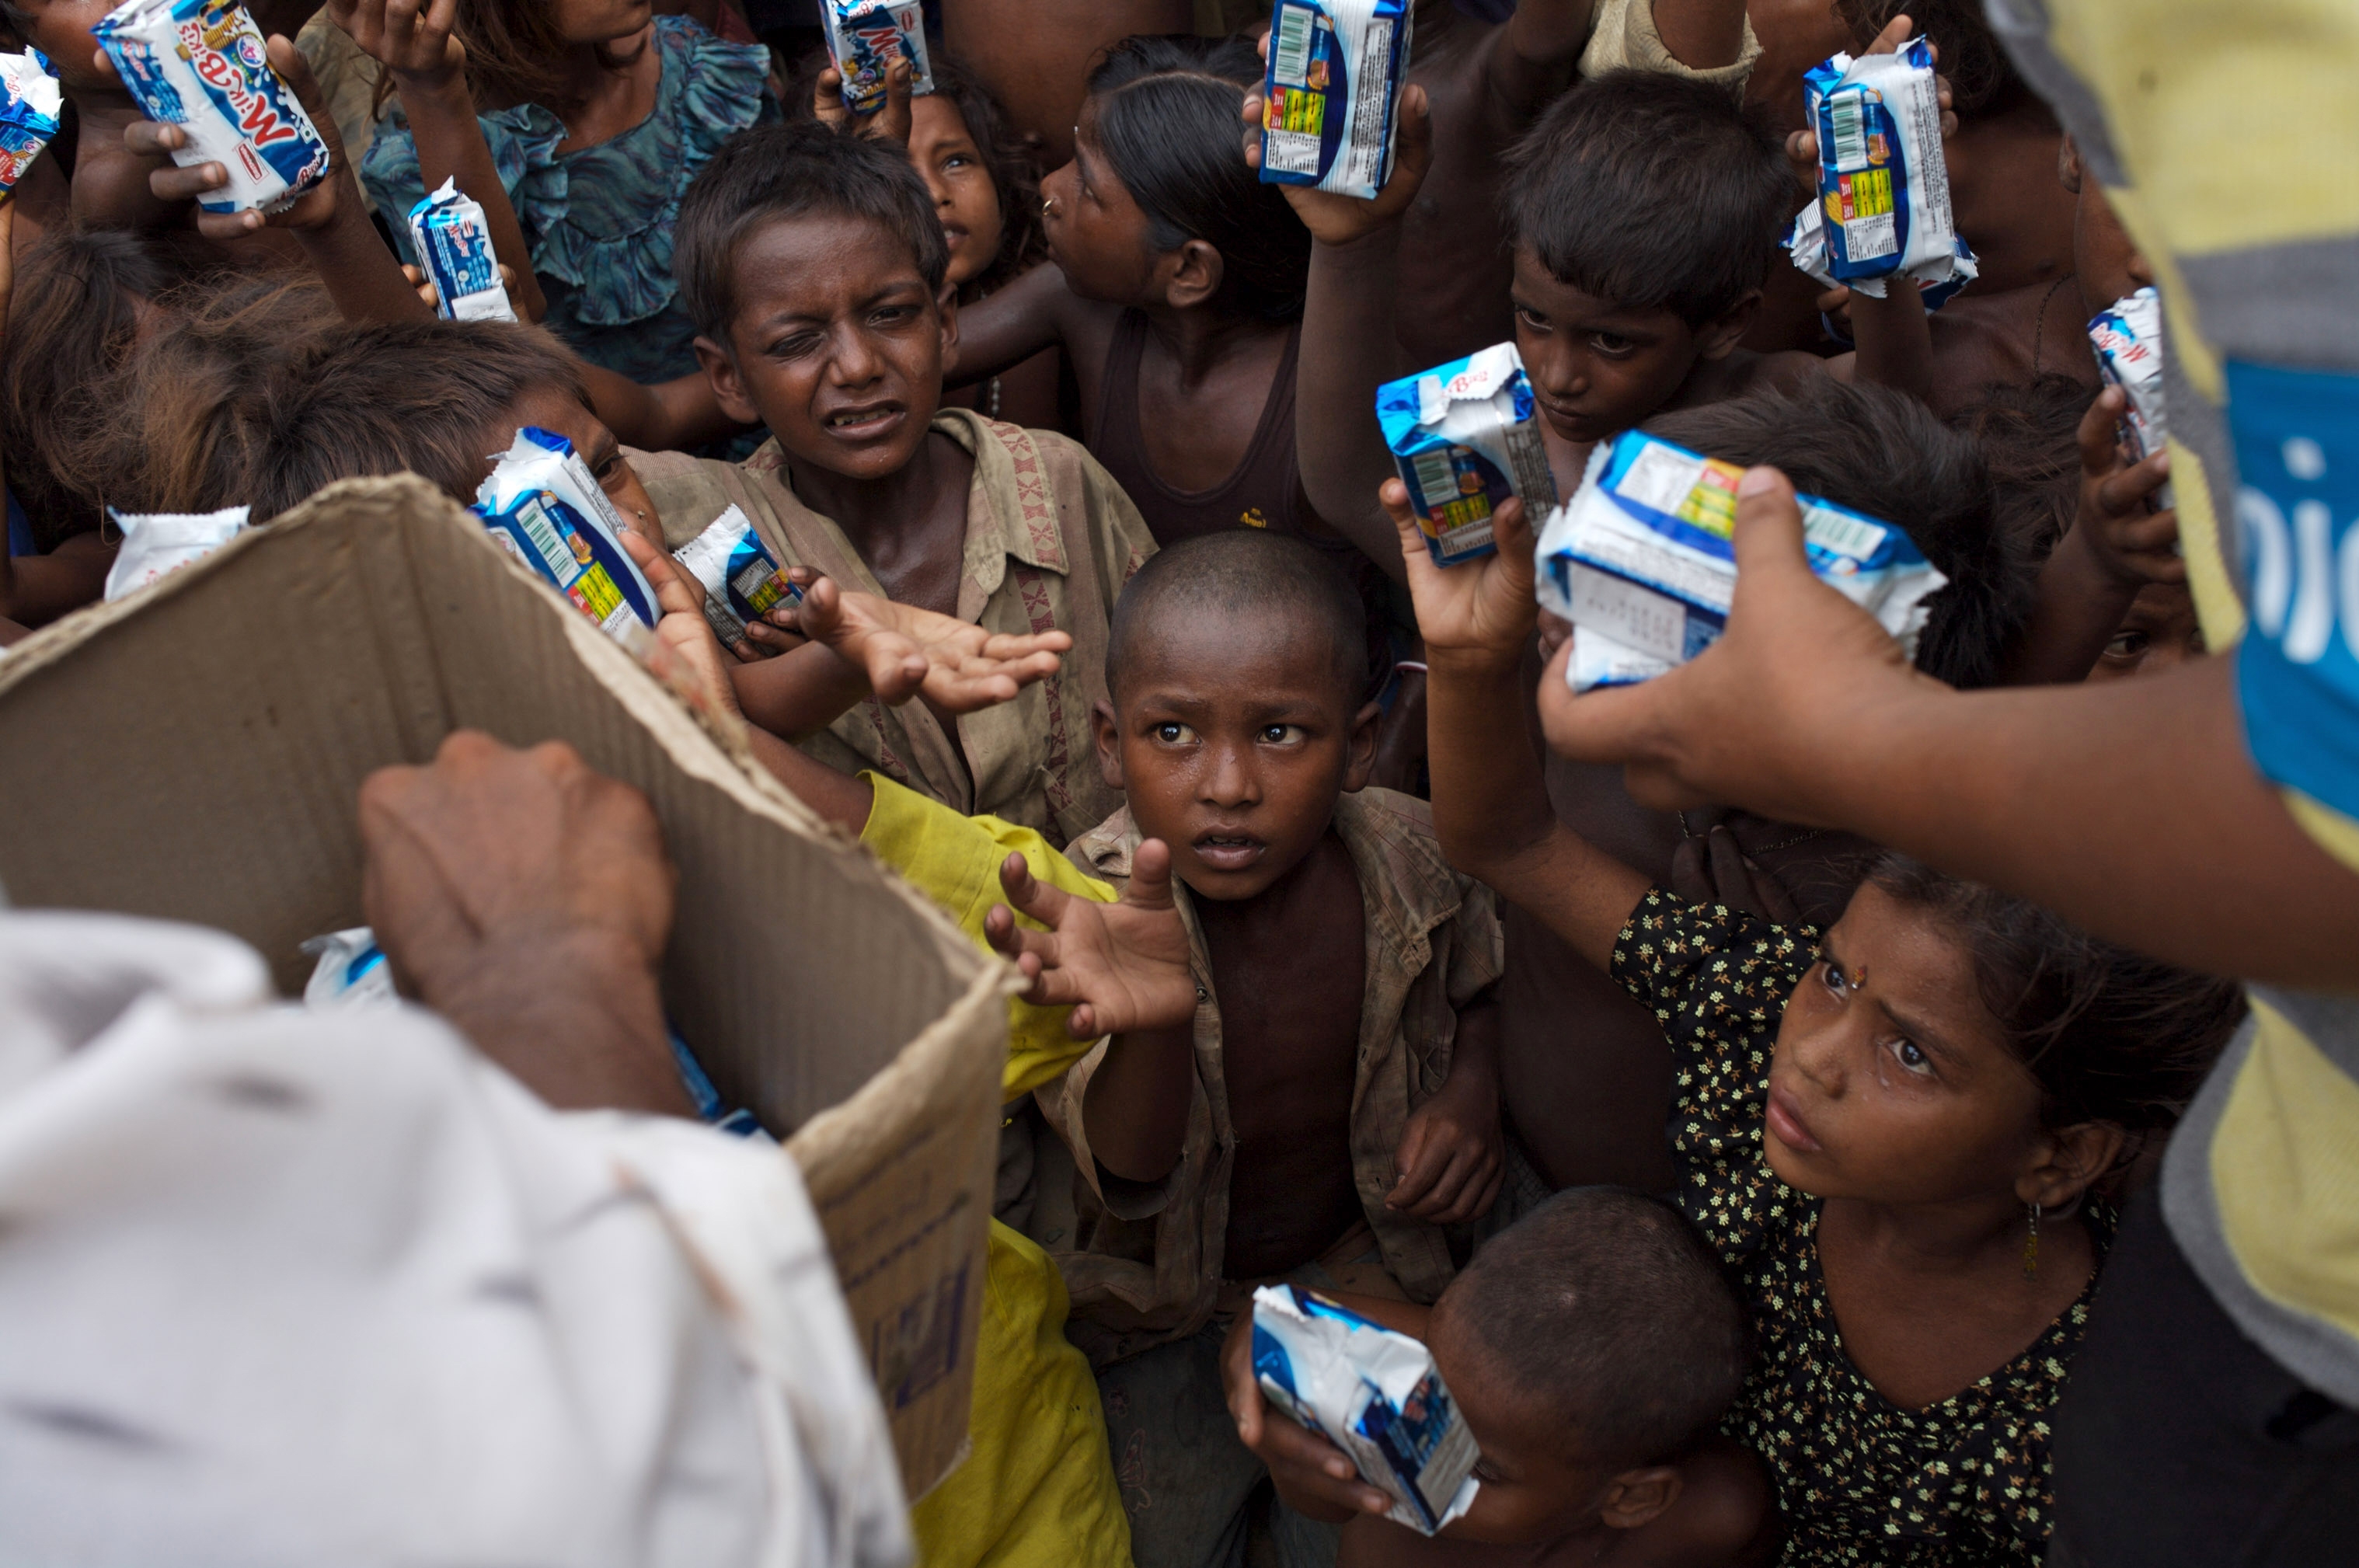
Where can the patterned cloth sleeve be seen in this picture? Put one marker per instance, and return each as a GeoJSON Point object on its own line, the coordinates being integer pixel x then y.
{"type": "Point", "coordinates": [1716, 980]}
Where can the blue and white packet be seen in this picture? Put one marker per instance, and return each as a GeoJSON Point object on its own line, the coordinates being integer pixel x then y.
{"type": "Point", "coordinates": [543, 507]}
{"type": "Point", "coordinates": [865, 37]}
{"type": "Point", "coordinates": [1465, 436]}
{"type": "Point", "coordinates": [1373, 1393]}
{"type": "Point", "coordinates": [454, 241]}
{"type": "Point", "coordinates": [1884, 187]}
{"type": "Point", "coordinates": [741, 580]}
{"type": "Point", "coordinates": [30, 104]}
{"type": "Point", "coordinates": [1330, 93]}
{"type": "Point", "coordinates": [155, 544]}
{"type": "Point", "coordinates": [351, 971]}
{"type": "Point", "coordinates": [201, 65]}
{"type": "Point", "coordinates": [2127, 337]}
{"type": "Point", "coordinates": [1640, 558]}
{"type": "Point", "coordinates": [1806, 243]}
{"type": "Point", "coordinates": [711, 1108]}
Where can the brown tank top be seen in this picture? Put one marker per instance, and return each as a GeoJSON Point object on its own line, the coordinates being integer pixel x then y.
{"type": "Point", "coordinates": [1259, 493]}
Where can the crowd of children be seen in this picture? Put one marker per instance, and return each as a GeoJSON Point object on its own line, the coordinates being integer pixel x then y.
{"type": "Point", "coordinates": [1742, 1082]}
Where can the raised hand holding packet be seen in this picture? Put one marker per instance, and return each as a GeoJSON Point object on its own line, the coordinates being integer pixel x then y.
{"type": "Point", "coordinates": [1330, 94]}
{"type": "Point", "coordinates": [201, 65]}
{"type": "Point", "coordinates": [454, 245]}
{"type": "Point", "coordinates": [1884, 187]}
{"type": "Point", "coordinates": [865, 37]}
{"type": "Point", "coordinates": [1465, 436]}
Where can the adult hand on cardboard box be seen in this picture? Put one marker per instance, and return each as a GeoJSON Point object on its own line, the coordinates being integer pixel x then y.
{"type": "Point", "coordinates": [527, 899]}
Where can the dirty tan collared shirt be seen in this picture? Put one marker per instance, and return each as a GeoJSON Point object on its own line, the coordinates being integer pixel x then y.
{"type": "Point", "coordinates": [1050, 540]}
{"type": "Point", "coordinates": [1148, 1268]}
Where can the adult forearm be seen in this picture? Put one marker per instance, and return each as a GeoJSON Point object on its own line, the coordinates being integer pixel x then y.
{"type": "Point", "coordinates": [2131, 808]}
{"type": "Point", "coordinates": [1136, 1106]}
{"type": "Point", "coordinates": [1348, 314]}
{"type": "Point", "coordinates": [576, 1017]}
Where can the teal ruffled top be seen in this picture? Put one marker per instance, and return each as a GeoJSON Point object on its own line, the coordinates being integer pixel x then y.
{"type": "Point", "coordinates": [599, 220]}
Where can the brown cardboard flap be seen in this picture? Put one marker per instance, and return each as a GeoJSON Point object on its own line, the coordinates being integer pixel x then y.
{"type": "Point", "coordinates": [192, 752]}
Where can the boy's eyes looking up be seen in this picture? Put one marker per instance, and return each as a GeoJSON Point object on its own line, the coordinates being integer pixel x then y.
{"type": "Point", "coordinates": [1173, 731]}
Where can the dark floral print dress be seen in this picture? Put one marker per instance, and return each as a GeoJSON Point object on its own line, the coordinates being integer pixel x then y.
{"type": "Point", "coordinates": [1860, 1479]}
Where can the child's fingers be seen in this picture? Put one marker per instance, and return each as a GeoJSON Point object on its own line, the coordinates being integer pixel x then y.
{"type": "Point", "coordinates": [1028, 894]}
{"type": "Point", "coordinates": [2100, 445]}
{"type": "Point", "coordinates": [827, 99]}
{"type": "Point", "coordinates": [892, 122]}
{"type": "Point", "coordinates": [1896, 33]}
{"type": "Point", "coordinates": [2126, 493]}
{"type": "Point", "coordinates": [1150, 876]}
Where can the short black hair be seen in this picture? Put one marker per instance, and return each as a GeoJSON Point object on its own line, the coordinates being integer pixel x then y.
{"type": "Point", "coordinates": [793, 170]}
{"type": "Point", "coordinates": [1649, 189]}
{"type": "Point", "coordinates": [1167, 121]}
{"type": "Point", "coordinates": [1884, 453]}
{"type": "Point", "coordinates": [1607, 1305]}
{"type": "Point", "coordinates": [1237, 573]}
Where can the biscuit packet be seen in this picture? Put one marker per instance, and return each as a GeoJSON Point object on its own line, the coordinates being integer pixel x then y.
{"type": "Point", "coordinates": [1883, 187]}
{"type": "Point", "coordinates": [543, 507]}
{"type": "Point", "coordinates": [1373, 1393]}
{"type": "Point", "coordinates": [742, 582]}
{"type": "Point", "coordinates": [156, 543]}
{"type": "Point", "coordinates": [1330, 93]}
{"type": "Point", "coordinates": [1466, 436]}
{"type": "Point", "coordinates": [1640, 560]}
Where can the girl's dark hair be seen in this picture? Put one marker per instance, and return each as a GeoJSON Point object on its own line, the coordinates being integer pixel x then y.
{"type": "Point", "coordinates": [1022, 242]}
{"type": "Point", "coordinates": [261, 401]}
{"type": "Point", "coordinates": [1168, 122]}
{"type": "Point", "coordinates": [75, 316]}
{"type": "Point", "coordinates": [2029, 433]}
{"type": "Point", "coordinates": [1883, 452]}
{"type": "Point", "coordinates": [2111, 1036]}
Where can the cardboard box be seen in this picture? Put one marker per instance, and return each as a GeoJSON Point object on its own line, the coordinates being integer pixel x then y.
{"type": "Point", "coordinates": [192, 752]}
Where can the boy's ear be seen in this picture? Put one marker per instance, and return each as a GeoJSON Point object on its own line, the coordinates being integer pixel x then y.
{"type": "Point", "coordinates": [1640, 1497]}
{"type": "Point", "coordinates": [1108, 731]}
{"type": "Point", "coordinates": [2068, 165]}
{"type": "Point", "coordinates": [728, 386]}
{"type": "Point", "coordinates": [1365, 725]}
{"type": "Point", "coordinates": [946, 301]}
{"type": "Point", "coordinates": [2072, 1158]}
{"type": "Point", "coordinates": [1195, 277]}
{"type": "Point", "coordinates": [1719, 338]}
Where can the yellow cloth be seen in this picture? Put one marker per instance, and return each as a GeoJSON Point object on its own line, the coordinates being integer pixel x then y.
{"type": "Point", "coordinates": [1036, 1489]}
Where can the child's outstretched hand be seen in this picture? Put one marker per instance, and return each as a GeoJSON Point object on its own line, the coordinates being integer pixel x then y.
{"type": "Point", "coordinates": [1800, 673]}
{"type": "Point", "coordinates": [890, 123]}
{"type": "Point", "coordinates": [1315, 1477]}
{"type": "Point", "coordinates": [1121, 967]}
{"type": "Point", "coordinates": [315, 209]}
{"type": "Point", "coordinates": [687, 655]}
{"type": "Point", "coordinates": [2115, 523]}
{"type": "Point", "coordinates": [1335, 220]}
{"type": "Point", "coordinates": [1478, 611]}
{"type": "Point", "coordinates": [410, 39]}
{"type": "Point", "coordinates": [906, 650]}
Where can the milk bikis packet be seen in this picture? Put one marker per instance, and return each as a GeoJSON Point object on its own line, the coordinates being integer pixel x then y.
{"type": "Point", "coordinates": [1466, 436]}
{"type": "Point", "coordinates": [1806, 243]}
{"type": "Point", "coordinates": [1883, 189]}
{"type": "Point", "coordinates": [455, 247]}
{"type": "Point", "coordinates": [29, 104]}
{"type": "Point", "coordinates": [865, 37]}
{"type": "Point", "coordinates": [156, 543]}
{"type": "Point", "coordinates": [2128, 337]}
{"type": "Point", "coordinates": [742, 582]}
{"type": "Point", "coordinates": [541, 504]}
{"type": "Point", "coordinates": [1371, 1392]}
{"type": "Point", "coordinates": [1641, 558]}
{"type": "Point", "coordinates": [200, 65]}
{"type": "Point", "coordinates": [1331, 93]}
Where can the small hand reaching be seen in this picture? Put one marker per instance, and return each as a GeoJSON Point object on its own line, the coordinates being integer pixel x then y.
{"type": "Point", "coordinates": [1121, 967]}
{"type": "Point", "coordinates": [1334, 219]}
{"type": "Point", "coordinates": [1802, 147]}
{"type": "Point", "coordinates": [1478, 610]}
{"type": "Point", "coordinates": [889, 123]}
{"type": "Point", "coordinates": [315, 209]}
{"type": "Point", "coordinates": [408, 40]}
{"type": "Point", "coordinates": [956, 665]}
{"type": "Point", "coordinates": [2116, 522]}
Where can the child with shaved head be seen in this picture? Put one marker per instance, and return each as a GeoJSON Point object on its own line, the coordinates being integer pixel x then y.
{"type": "Point", "coordinates": [1592, 1348]}
{"type": "Point", "coordinates": [1334, 1106]}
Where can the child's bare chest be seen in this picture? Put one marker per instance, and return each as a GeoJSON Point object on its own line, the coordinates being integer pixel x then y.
{"type": "Point", "coordinates": [1197, 434]}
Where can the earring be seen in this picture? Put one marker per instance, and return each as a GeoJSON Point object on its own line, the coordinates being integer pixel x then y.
{"type": "Point", "coordinates": [2031, 1247]}
{"type": "Point", "coordinates": [1048, 205]}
